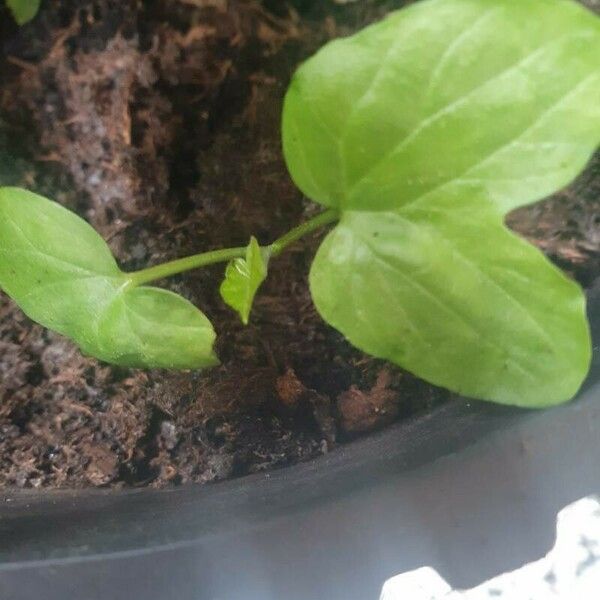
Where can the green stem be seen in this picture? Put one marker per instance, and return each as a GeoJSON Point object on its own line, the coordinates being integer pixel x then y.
{"type": "Point", "coordinates": [185, 264]}
{"type": "Point", "coordinates": [322, 219]}
{"type": "Point", "coordinates": [181, 265]}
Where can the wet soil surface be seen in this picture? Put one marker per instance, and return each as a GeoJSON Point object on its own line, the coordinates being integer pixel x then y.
{"type": "Point", "coordinates": [159, 123]}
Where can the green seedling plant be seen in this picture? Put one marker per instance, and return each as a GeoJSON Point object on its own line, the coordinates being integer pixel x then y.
{"type": "Point", "coordinates": [23, 10]}
{"type": "Point", "coordinates": [417, 136]}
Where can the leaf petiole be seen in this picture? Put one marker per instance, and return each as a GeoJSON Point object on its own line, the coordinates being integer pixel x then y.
{"type": "Point", "coordinates": [226, 254]}
{"type": "Point", "coordinates": [322, 219]}
{"type": "Point", "coordinates": [181, 265]}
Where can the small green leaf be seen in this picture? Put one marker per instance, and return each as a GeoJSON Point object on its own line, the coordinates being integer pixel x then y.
{"type": "Point", "coordinates": [63, 275]}
{"type": "Point", "coordinates": [243, 277]}
{"type": "Point", "coordinates": [424, 130]}
{"type": "Point", "coordinates": [23, 10]}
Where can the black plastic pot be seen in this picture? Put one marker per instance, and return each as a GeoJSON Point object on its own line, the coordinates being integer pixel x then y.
{"type": "Point", "coordinates": [471, 489]}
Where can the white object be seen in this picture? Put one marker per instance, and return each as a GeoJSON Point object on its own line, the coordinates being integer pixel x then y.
{"type": "Point", "coordinates": [570, 571]}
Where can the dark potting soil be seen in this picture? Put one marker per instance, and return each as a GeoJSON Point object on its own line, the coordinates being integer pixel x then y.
{"type": "Point", "coordinates": [158, 122]}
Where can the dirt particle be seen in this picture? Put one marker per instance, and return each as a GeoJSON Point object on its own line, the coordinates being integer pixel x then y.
{"type": "Point", "coordinates": [289, 389]}
{"type": "Point", "coordinates": [168, 434]}
{"type": "Point", "coordinates": [102, 467]}
{"type": "Point", "coordinates": [365, 411]}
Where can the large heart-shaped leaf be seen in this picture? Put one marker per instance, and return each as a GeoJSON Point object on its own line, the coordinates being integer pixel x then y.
{"type": "Point", "coordinates": [424, 130]}
{"type": "Point", "coordinates": [63, 275]}
{"type": "Point", "coordinates": [494, 95]}
{"type": "Point", "coordinates": [457, 299]}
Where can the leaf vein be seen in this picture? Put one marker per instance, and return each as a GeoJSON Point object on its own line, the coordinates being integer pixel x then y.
{"type": "Point", "coordinates": [449, 108]}
{"type": "Point", "coordinates": [461, 177]}
{"type": "Point", "coordinates": [415, 283]}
